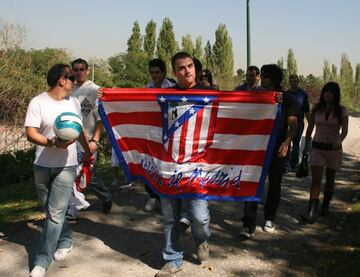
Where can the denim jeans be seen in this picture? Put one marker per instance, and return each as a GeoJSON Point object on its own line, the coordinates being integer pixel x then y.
{"type": "Point", "coordinates": [292, 157]}
{"type": "Point", "coordinates": [54, 187]}
{"type": "Point", "coordinates": [199, 214]}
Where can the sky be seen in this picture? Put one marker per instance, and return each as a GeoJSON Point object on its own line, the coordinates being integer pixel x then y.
{"type": "Point", "coordinates": [315, 29]}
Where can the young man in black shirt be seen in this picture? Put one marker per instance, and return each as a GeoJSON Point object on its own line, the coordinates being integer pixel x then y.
{"type": "Point", "coordinates": [271, 78]}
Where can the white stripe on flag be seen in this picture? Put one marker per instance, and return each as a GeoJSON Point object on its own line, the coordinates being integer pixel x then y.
{"type": "Point", "coordinates": [138, 131]}
{"type": "Point", "coordinates": [132, 106]}
{"type": "Point", "coordinates": [249, 173]}
{"type": "Point", "coordinates": [176, 144]}
{"type": "Point", "coordinates": [204, 131]}
{"type": "Point", "coordinates": [243, 142]}
{"type": "Point", "coordinates": [246, 111]}
{"type": "Point", "coordinates": [189, 137]}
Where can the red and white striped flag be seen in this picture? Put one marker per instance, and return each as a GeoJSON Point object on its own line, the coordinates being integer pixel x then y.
{"type": "Point", "coordinates": [193, 143]}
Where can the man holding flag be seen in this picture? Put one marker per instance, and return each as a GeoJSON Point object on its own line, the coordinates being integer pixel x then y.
{"type": "Point", "coordinates": [184, 70]}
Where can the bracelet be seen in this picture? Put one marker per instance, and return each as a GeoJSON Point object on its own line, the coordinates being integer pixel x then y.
{"type": "Point", "coordinates": [95, 141]}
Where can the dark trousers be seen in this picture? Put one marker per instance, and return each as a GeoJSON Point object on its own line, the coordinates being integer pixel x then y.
{"type": "Point", "coordinates": [151, 193]}
{"type": "Point", "coordinates": [275, 175]}
{"type": "Point", "coordinates": [293, 153]}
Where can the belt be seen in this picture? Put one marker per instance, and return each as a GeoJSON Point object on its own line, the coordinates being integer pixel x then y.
{"type": "Point", "coordinates": [323, 146]}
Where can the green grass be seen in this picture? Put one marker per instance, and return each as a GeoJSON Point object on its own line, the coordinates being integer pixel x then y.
{"type": "Point", "coordinates": [18, 202]}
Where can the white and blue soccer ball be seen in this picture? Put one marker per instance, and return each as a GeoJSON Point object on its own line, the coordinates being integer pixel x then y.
{"type": "Point", "coordinates": [68, 126]}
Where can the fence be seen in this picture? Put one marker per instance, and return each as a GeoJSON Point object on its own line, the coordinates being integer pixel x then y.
{"type": "Point", "coordinates": [13, 139]}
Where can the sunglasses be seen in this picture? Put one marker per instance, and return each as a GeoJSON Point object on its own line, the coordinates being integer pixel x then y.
{"type": "Point", "coordinates": [71, 78]}
{"type": "Point", "coordinates": [79, 69]}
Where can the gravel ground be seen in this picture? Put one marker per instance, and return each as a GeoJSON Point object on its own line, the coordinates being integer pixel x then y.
{"type": "Point", "coordinates": [128, 241]}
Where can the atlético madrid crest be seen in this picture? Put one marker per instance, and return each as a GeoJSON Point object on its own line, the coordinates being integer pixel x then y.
{"type": "Point", "coordinates": [188, 125]}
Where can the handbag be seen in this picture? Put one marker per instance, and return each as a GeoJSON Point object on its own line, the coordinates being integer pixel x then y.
{"type": "Point", "coordinates": [303, 169]}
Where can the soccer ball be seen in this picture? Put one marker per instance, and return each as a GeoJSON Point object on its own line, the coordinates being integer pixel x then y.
{"type": "Point", "coordinates": [67, 126]}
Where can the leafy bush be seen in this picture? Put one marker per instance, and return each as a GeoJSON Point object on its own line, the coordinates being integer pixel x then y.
{"type": "Point", "coordinates": [16, 167]}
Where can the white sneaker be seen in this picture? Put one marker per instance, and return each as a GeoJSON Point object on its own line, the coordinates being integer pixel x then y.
{"type": "Point", "coordinates": [61, 253]}
{"type": "Point", "coordinates": [38, 271]}
{"type": "Point", "coordinates": [150, 204]}
{"type": "Point", "coordinates": [269, 226]}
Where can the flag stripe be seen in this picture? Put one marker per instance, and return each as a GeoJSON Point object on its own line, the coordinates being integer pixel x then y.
{"type": "Point", "coordinates": [182, 143]}
{"type": "Point", "coordinates": [247, 188]}
{"type": "Point", "coordinates": [244, 126]}
{"type": "Point", "coordinates": [197, 130]}
{"type": "Point", "coordinates": [212, 156]}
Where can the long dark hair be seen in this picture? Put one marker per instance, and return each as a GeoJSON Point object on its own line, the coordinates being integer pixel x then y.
{"type": "Point", "coordinates": [334, 88]}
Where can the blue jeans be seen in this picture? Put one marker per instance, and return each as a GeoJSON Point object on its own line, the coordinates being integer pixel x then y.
{"type": "Point", "coordinates": [199, 214]}
{"type": "Point", "coordinates": [54, 187]}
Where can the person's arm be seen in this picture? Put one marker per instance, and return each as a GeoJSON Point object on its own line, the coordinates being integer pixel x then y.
{"type": "Point", "coordinates": [85, 145]}
{"type": "Point", "coordinates": [33, 135]}
{"type": "Point", "coordinates": [284, 147]}
{"type": "Point", "coordinates": [344, 128]}
{"type": "Point", "coordinates": [309, 130]}
{"type": "Point", "coordinates": [94, 141]}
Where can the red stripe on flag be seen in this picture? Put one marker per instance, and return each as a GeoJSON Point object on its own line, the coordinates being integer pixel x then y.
{"type": "Point", "coordinates": [211, 155]}
{"type": "Point", "coordinates": [212, 124]}
{"type": "Point", "coordinates": [236, 126]}
{"type": "Point", "coordinates": [182, 143]}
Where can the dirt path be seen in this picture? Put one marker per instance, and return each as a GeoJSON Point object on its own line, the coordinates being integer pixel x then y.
{"type": "Point", "coordinates": [128, 241]}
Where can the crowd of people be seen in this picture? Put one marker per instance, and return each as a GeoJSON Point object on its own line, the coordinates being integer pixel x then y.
{"type": "Point", "coordinates": [56, 161]}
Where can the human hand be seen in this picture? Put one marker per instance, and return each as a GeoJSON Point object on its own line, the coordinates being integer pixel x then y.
{"type": "Point", "coordinates": [283, 149]}
{"type": "Point", "coordinates": [93, 146]}
{"type": "Point", "coordinates": [279, 97]}
{"type": "Point", "coordinates": [62, 144]}
{"type": "Point", "coordinates": [99, 93]}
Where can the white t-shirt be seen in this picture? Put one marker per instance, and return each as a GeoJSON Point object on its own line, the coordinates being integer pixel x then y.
{"type": "Point", "coordinates": [41, 113]}
{"type": "Point", "coordinates": [166, 83]}
{"type": "Point", "coordinates": [86, 94]}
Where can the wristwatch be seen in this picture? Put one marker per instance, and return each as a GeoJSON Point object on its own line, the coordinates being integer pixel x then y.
{"type": "Point", "coordinates": [95, 141]}
{"type": "Point", "coordinates": [51, 143]}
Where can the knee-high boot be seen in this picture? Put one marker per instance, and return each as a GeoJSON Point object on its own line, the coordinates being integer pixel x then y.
{"type": "Point", "coordinates": [312, 212]}
{"type": "Point", "coordinates": [325, 204]}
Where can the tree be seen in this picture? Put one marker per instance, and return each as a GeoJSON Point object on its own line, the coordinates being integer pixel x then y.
{"type": "Point", "coordinates": [198, 50]}
{"type": "Point", "coordinates": [150, 38]}
{"type": "Point", "coordinates": [208, 58]}
{"type": "Point", "coordinates": [280, 63]}
{"type": "Point", "coordinates": [291, 62]}
{"type": "Point", "coordinates": [326, 72]}
{"type": "Point", "coordinates": [129, 69]}
{"type": "Point", "coordinates": [223, 58]}
{"type": "Point", "coordinates": [346, 79]}
{"type": "Point", "coordinates": [166, 44]}
{"type": "Point", "coordinates": [333, 72]}
{"type": "Point", "coordinates": [135, 41]}
{"type": "Point", "coordinates": [187, 44]}
{"type": "Point", "coordinates": [102, 74]}
{"type": "Point", "coordinates": [357, 82]}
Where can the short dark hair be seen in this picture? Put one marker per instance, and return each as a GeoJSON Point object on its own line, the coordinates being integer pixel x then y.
{"type": "Point", "coordinates": [198, 65]}
{"type": "Point", "coordinates": [178, 56]}
{"type": "Point", "coordinates": [274, 73]}
{"type": "Point", "coordinates": [55, 73]}
{"type": "Point", "coordinates": [253, 68]}
{"type": "Point", "coordinates": [81, 61]}
{"type": "Point", "coordinates": [293, 76]}
{"type": "Point", "coordinates": [158, 63]}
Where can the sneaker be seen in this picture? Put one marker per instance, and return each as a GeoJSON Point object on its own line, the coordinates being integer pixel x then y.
{"type": "Point", "coordinates": [203, 251]}
{"type": "Point", "coordinates": [150, 204]}
{"type": "Point", "coordinates": [269, 226]}
{"type": "Point", "coordinates": [168, 270]}
{"type": "Point", "coordinates": [61, 253]}
{"type": "Point", "coordinates": [247, 233]}
{"type": "Point", "coordinates": [183, 224]}
{"type": "Point", "coordinates": [38, 271]}
{"type": "Point", "coordinates": [106, 206]}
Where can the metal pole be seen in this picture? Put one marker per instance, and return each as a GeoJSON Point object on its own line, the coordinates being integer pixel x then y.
{"type": "Point", "coordinates": [248, 33]}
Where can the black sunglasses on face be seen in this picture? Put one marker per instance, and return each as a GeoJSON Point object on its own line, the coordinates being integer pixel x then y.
{"type": "Point", "coordinates": [71, 78]}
